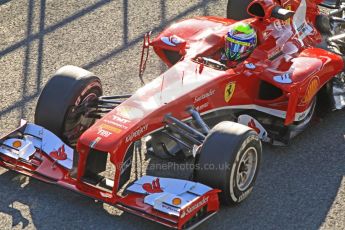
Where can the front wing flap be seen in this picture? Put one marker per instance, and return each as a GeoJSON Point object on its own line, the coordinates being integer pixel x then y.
{"type": "Point", "coordinates": [31, 137]}
{"type": "Point", "coordinates": [173, 202]}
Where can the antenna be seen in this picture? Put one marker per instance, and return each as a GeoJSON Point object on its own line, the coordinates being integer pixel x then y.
{"type": "Point", "coordinates": [182, 76]}
{"type": "Point", "coordinates": [162, 87]}
{"type": "Point", "coordinates": [144, 56]}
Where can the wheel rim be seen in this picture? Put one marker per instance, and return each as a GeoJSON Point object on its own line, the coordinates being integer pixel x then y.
{"type": "Point", "coordinates": [246, 169]}
{"type": "Point", "coordinates": [76, 123]}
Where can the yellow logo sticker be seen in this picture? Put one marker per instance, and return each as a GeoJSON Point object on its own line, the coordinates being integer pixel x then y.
{"type": "Point", "coordinates": [311, 90]}
{"type": "Point", "coordinates": [229, 91]}
{"type": "Point", "coordinates": [110, 128]}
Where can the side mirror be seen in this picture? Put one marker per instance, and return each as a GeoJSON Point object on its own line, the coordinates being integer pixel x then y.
{"type": "Point", "coordinates": [281, 13]}
{"type": "Point", "coordinates": [331, 4]}
{"type": "Point", "coordinates": [267, 9]}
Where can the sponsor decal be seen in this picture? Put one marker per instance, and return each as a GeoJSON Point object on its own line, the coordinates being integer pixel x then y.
{"type": "Point", "coordinates": [203, 106]}
{"type": "Point", "coordinates": [229, 91]}
{"type": "Point", "coordinates": [304, 30]}
{"type": "Point", "coordinates": [283, 79]}
{"type": "Point", "coordinates": [251, 122]}
{"type": "Point", "coordinates": [252, 125]}
{"type": "Point", "coordinates": [60, 154]}
{"type": "Point", "coordinates": [299, 17]}
{"type": "Point", "coordinates": [170, 207]}
{"type": "Point", "coordinates": [104, 133]}
{"type": "Point", "coordinates": [244, 195]}
{"type": "Point", "coordinates": [206, 95]}
{"type": "Point", "coordinates": [153, 187]}
{"type": "Point", "coordinates": [311, 90]}
{"type": "Point", "coordinates": [279, 25]}
{"type": "Point", "coordinates": [113, 123]}
{"type": "Point", "coordinates": [93, 143]}
{"type": "Point", "coordinates": [275, 54]}
{"type": "Point", "coordinates": [250, 66]}
{"type": "Point", "coordinates": [17, 144]}
{"type": "Point", "coordinates": [137, 133]}
{"type": "Point", "coordinates": [120, 119]}
{"type": "Point", "coordinates": [192, 208]}
{"type": "Point", "coordinates": [176, 201]}
{"type": "Point", "coordinates": [110, 128]}
{"type": "Point", "coordinates": [172, 40]}
{"type": "Point", "coordinates": [129, 112]}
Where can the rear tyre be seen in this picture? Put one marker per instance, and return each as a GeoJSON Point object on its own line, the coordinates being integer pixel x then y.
{"type": "Point", "coordinates": [229, 160]}
{"type": "Point", "coordinates": [61, 107]}
{"type": "Point", "coordinates": [237, 10]}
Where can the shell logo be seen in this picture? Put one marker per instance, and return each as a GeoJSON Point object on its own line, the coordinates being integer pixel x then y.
{"type": "Point", "coordinates": [311, 90]}
{"type": "Point", "coordinates": [229, 91]}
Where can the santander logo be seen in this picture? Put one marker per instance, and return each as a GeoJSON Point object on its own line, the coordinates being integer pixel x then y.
{"type": "Point", "coordinates": [192, 208]}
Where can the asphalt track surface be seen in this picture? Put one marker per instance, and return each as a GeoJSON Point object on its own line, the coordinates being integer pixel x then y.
{"type": "Point", "coordinates": [299, 187]}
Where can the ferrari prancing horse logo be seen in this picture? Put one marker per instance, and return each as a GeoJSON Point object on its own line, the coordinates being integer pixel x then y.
{"type": "Point", "coordinates": [59, 154]}
{"type": "Point", "coordinates": [229, 91]}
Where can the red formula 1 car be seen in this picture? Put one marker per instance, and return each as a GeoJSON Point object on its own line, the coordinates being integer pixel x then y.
{"type": "Point", "coordinates": [199, 108]}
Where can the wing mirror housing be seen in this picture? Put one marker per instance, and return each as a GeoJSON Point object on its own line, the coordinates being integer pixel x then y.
{"type": "Point", "coordinates": [281, 13]}
{"type": "Point", "coordinates": [330, 4]}
{"type": "Point", "coordinates": [266, 9]}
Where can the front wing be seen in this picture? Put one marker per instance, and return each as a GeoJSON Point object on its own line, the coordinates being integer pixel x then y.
{"type": "Point", "coordinates": [34, 151]}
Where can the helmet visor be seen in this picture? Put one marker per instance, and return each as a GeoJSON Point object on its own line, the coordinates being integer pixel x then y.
{"type": "Point", "coordinates": [237, 48]}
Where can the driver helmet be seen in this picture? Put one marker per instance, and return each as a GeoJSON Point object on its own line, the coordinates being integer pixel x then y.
{"type": "Point", "coordinates": [240, 41]}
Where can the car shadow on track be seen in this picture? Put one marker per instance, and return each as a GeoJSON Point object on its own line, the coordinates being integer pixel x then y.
{"type": "Point", "coordinates": [35, 204]}
{"type": "Point", "coordinates": [296, 186]}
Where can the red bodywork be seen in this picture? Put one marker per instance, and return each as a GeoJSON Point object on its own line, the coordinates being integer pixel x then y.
{"type": "Point", "coordinates": [281, 49]}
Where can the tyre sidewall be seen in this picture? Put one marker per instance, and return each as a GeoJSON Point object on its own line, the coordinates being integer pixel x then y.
{"type": "Point", "coordinates": [232, 193]}
{"type": "Point", "coordinates": [92, 85]}
{"type": "Point", "coordinates": [223, 148]}
{"type": "Point", "coordinates": [59, 95]}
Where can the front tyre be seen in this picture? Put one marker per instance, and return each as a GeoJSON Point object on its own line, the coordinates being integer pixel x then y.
{"type": "Point", "coordinates": [229, 160]}
{"type": "Point", "coordinates": [65, 102]}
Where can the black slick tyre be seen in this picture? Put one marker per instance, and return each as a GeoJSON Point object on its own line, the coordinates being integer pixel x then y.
{"type": "Point", "coordinates": [229, 160]}
{"type": "Point", "coordinates": [61, 105]}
